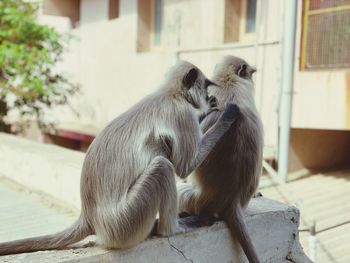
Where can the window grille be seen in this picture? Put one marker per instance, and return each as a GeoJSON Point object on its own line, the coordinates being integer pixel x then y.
{"type": "Point", "coordinates": [326, 34]}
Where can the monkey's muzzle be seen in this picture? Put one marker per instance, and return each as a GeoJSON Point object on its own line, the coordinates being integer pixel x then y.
{"type": "Point", "coordinates": [212, 102]}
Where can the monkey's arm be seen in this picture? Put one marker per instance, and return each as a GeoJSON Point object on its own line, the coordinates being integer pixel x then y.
{"type": "Point", "coordinates": [210, 120]}
{"type": "Point", "coordinates": [211, 137]}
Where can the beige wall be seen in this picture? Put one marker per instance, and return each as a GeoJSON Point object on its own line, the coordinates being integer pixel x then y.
{"type": "Point", "coordinates": [92, 11]}
{"type": "Point", "coordinates": [320, 96]}
{"type": "Point", "coordinates": [63, 8]}
{"type": "Point", "coordinates": [113, 75]}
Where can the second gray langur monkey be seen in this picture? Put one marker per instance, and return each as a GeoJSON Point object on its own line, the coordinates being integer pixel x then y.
{"type": "Point", "coordinates": [225, 182]}
{"type": "Point", "coordinates": [128, 172]}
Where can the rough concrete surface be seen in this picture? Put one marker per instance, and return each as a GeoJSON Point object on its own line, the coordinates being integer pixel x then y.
{"type": "Point", "coordinates": [273, 226]}
{"type": "Point", "coordinates": [24, 213]}
{"type": "Point", "coordinates": [42, 167]}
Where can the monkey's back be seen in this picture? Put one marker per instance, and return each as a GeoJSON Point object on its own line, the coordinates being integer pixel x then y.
{"type": "Point", "coordinates": [230, 172]}
{"type": "Point", "coordinates": [124, 149]}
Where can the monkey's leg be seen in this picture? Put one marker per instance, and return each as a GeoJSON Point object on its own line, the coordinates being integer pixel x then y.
{"type": "Point", "coordinates": [187, 199]}
{"type": "Point", "coordinates": [188, 221]}
{"type": "Point", "coordinates": [188, 206]}
{"type": "Point", "coordinates": [131, 221]}
{"type": "Point", "coordinates": [154, 190]}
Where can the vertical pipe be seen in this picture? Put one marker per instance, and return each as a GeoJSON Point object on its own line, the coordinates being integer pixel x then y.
{"type": "Point", "coordinates": [178, 20]}
{"type": "Point", "coordinates": [288, 47]}
{"type": "Point", "coordinates": [313, 242]}
{"type": "Point", "coordinates": [258, 79]}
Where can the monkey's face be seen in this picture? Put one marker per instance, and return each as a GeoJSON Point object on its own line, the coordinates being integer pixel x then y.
{"type": "Point", "coordinates": [236, 69]}
{"type": "Point", "coordinates": [196, 85]}
{"type": "Point", "coordinates": [240, 68]}
{"type": "Point", "coordinates": [244, 71]}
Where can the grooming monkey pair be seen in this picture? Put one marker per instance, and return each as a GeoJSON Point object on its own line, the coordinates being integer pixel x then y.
{"type": "Point", "coordinates": [128, 172]}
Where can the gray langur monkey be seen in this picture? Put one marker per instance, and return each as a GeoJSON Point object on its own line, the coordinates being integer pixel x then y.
{"type": "Point", "coordinates": [128, 172]}
{"type": "Point", "coordinates": [225, 182]}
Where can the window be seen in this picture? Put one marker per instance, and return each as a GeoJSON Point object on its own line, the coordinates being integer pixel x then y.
{"type": "Point", "coordinates": [240, 16]}
{"type": "Point", "coordinates": [157, 21]}
{"type": "Point", "coordinates": [149, 25]}
{"type": "Point", "coordinates": [232, 20]}
{"type": "Point", "coordinates": [113, 9]}
{"type": "Point", "coordinates": [326, 34]}
{"type": "Point", "coordinates": [250, 16]}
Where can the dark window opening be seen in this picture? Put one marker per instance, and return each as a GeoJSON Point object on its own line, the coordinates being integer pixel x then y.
{"type": "Point", "coordinates": [250, 16]}
{"type": "Point", "coordinates": [149, 24]}
{"type": "Point", "coordinates": [157, 21]}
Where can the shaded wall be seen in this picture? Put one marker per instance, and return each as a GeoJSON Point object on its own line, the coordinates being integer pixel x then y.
{"type": "Point", "coordinates": [319, 149]}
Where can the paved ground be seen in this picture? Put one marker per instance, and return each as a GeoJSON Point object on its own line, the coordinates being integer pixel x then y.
{"type": "Point", "coordinates": [24, 213]}
{"type": "Point", "coordinates": [326, 196]}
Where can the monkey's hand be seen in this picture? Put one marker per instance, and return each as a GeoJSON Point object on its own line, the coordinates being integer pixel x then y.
{"type": "Point", "coordinates": [213, 102]}
{"type": "Point", "coordinates": [231, 112]}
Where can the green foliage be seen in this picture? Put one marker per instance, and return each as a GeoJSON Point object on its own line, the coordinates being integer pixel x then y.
{"type": "Point", "coordinates": [28, 55]}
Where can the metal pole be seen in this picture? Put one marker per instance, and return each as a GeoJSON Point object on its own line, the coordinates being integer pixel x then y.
{"type": "Point", "coordinates": [288, 47]}
{"type": "Point", "coordinates": [258, 79]}
{"type": "Point", "coordinates": [313, 243]}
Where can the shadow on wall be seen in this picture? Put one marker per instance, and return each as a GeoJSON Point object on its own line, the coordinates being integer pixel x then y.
{"type": "Point", "coordinates": [319, 149]}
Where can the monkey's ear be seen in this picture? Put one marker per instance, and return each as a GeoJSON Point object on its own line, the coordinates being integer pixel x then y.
{"type": "Point", "coordinates": [190, 78]}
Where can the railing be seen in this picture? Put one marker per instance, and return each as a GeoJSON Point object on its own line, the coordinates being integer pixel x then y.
{"type": "Point", "coordinates": [237, 45]}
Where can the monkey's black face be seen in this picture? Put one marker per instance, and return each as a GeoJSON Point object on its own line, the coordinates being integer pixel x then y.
{"type": "Point", "coordinates": [210, 100]}
{"type": "Point", "coordinates": [203, 91]}
{"type": "Point", "coordinates": [245, 71]}
{"type": "Point", "coordinates": [213, 104]}
{"type": "Point", "coordinates": [196, 91]}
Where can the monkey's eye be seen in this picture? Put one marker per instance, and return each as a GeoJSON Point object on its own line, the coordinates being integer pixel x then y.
{"type": "Point", "coordinates": [242, 71]}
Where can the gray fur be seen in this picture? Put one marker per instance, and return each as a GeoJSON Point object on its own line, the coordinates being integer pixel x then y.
{"type": "Point", "coordinates": [128, 172]}
{"type": "Point", "coordinates": [228, 178]}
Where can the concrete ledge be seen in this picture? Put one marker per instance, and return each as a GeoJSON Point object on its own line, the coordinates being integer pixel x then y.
{"type": "Point", "coordinates": [48, 168]}
{"type": "Point", "coordinates": [273, 227]}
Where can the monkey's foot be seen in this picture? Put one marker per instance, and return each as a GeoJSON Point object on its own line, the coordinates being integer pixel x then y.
{"type": "Point", "coordinates": [186, 223]}
{"type": "Point", "coordinates": [83, 244]}
{"type": "Point", "coordinates": [156, 231]}
{"type": "Point", "coordinates": [194, 221]}
{"type": "Point", "coordinates": [90, 244]}
{"type": "Point", "coordinates": [257, 195]}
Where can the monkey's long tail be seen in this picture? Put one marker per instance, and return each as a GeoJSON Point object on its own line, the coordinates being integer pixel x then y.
{"type": "Point", "coordinates": [73, 234]}
{"type": "Point", "coordinates": [236, 224]}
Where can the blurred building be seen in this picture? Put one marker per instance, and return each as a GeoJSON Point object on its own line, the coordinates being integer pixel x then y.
{"type": "Point", "coordinates": [122, 48]}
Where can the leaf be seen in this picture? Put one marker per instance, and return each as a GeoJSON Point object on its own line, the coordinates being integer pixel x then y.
{"type": "Point", "coordinates": [28, 55]}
